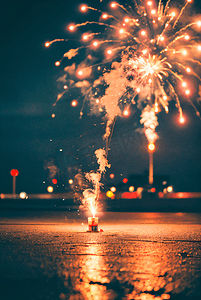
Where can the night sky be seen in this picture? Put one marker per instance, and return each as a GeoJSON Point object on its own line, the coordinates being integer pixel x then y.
{"type": "Point", "coordinates": [31, 139]}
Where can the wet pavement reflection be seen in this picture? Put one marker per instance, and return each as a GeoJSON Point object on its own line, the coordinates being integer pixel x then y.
{"type": "Point", "coordinates": [126, 261]}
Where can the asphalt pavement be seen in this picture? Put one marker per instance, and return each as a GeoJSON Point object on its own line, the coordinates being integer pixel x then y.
{"type": "Point", "coordinates": [50, 255]}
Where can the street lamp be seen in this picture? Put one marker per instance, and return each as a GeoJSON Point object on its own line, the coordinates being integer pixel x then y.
{"type": "Point", "coordinates": [14, 173]}
{"type": "Point", "coordinates": [151, 149]}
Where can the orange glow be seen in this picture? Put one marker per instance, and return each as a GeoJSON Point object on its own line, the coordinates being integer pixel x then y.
{"type": "Point", "coordinates": [121, 31]}
{"type": "Point", "coordinates": [187, 92]}
{"type": "Point", "coordinates": [149, 3]}
{"type": "Point", "coordinates": [85, 37]}
{"type": "Point", "coordinates": [57, 63]}
{"type": "Point", "coordinates": [109, 51]}
{"type": "Point", "coordinates": [173, 14]}
{"type": "Point", "coordinates": [182, 120]}
{"type": "Point", "coordinates": [126, 20]}
{"type": "Point", "coordinates": [71, 27]}
{"type": "Point", "coordinates": [80, 73]}
{"type": "Point", "coordinates": [113, 4]}
{"type": "Point", "coordinates": [53, 116]}
{"type": "Point", "coordinates": [70, 181]}
{"type": "Point", "coordinates": [151, 147]}
{"type": "Point", "coordinates": [104, 16]}
{"type": "Point", "coordinates": [126, 113]}
{"type": "Point", "coordinates": [184, 84]}
{"type": "Point", "coordinates": [153, 12]}
{"type": "Point", "coordinates": [74, 103]}
{"type": "Point", "coordinates": [65, 87]}
{"type": "Point", "coordinates": [111, 175]}
{"type": "Point", "coordinates": [83, 8]}
{"type": "Point", "coordinates": [187, 37]}
{"type": "Point", "coordinates": [188, 70]}
{"type": "Point", "coordinates": [95, 43]}
{"type": "Point", "coordinates": [199, 23]}
{"type": "Point", "coordinates": [199, 47]}
{"type": "Point", "coordinates": [143, 32]}
{"type": "Point", "coordinates": [138, 90]}
{"type": "Point", "coordinates": [184, 52]}
{"type": "Point", "coordinates": [47, 44]}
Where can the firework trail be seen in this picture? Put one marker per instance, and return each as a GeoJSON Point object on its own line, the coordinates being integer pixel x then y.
{"type": "Point", "coordinates": [91, 196]}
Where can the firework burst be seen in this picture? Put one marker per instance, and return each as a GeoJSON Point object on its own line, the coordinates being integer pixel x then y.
{"type": "Point", "coordinates": [142, 54]}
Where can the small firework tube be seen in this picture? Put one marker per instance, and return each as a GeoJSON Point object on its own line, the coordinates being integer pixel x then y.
{"type": "Point", "coordinates": [93, 223]}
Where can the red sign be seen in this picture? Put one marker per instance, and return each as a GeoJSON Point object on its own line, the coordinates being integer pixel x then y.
{"type": "Point", "coordinates": [14, 172]}
{"type": "Point", "coordinates": [54, 181]}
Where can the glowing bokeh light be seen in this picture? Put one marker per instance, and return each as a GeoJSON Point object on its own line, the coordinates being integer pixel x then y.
{"type": "Point", "coordinates": [50, 189]}
{"type": "Point", "coordinates": [23, 195]}
{"type": "Point", "coordinates": [169, 189]}
{"type": "Point", "coordinates": [54, 181]}
{"type": "Point", "coordinates": [131, 188]}
{"type": "Point", "coordinates": [125, 180]}
{"type": "Point", "coordinates": [109, 194]}
{"type": "Point", "coordinates": [113, 189]}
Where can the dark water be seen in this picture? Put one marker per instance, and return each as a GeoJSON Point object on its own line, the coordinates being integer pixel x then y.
{"type": "Point", "coordinates": [137, 256]}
